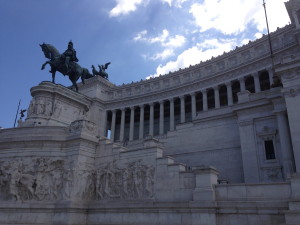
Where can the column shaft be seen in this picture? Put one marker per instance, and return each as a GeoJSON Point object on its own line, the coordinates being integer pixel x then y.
{"type": "Point", "coordinates": [172, 125]}
{"type": "Point", "coordinates": [131, 129]}
{"type": "Point", "coordinates": [161, 118]}
{"type": "Point", "coordinates": [193, 97]}
{"type": "Point", "coordinates": [204, 97]}
{"type": "Point", "coordinates": [151, 120]}
{"type": "Point", "coordinates": [122, 125]}
{"type": "Point", "coordinates": [141, 131]}
{"type": "Point", "coordinates": [242, 84]}
{"type": "Point", "coordinates": [271, 74]}
{"type": "Point", "coordinates": [217, 97]}
{"type": "Point", "coordinates": [256, 82]}
{"type": "Point", "coordinates": [113, 125]}
{"type": "Point", "coordinates": [182, 109]}
{"type": "Point", "coordinates": [229, 93]}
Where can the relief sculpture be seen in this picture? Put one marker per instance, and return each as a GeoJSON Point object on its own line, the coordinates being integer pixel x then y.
{"type": "Point", "coordinates": [135, 181]}
{"type": "Point", "coordinates": [43, 179]}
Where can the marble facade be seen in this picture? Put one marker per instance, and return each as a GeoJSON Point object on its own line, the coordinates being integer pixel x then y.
{"type": "Point", "coordinates": [212, 144]}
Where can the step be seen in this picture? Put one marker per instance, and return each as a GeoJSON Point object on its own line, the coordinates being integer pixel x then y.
{"type": "Point", "coordinates": [167, 160]}
{"type": "Point", "coordinates": [294, 206]}
{"type": "Point", "coordinates": [292, 217]}
{"type": "Point", "coordinates": [179, 167]}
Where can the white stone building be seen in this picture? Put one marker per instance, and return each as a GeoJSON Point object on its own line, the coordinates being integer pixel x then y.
{"type": "Point", "coordinates": [210, 144]}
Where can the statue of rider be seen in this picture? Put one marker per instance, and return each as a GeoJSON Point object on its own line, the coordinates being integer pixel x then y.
{"type": "Point", "coordinates": [70, 56]}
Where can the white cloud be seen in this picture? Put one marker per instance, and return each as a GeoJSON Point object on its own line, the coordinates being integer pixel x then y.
{"type": "Point", "coordinates": [176, 41]}
{"type": "Point", "coordinates": [258, 35]}
{"type": "Point", "coordinates": [176, 3]}
{"type": "Point", "coordinates": [124, 7]}
{"type": "Point", "coordinates": [200, 52]}
{"type": "Point", "coordinates": [141, 36]}
{"type": "Point", "coordinates": [165, 40]}
{"type": "Point", "coordinates": [232, 16]}
{"type": "Point", "coordinates": [161, 38]}
{"type": "Point", "coordinates": [163, 55]}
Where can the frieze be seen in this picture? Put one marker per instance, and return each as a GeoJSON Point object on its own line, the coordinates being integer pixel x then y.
{"type": "Point", "coordinates": [38, 179]}
{"type": "Point", "coordinates": [46, 179]}
{"type": "Point", "coordinates": [135, 181]}
{"type": "Point", "coordinates": [78, 126]}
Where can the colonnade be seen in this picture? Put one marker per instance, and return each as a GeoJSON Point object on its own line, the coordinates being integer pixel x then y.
{"type": "Point", "coordinates": [171, 103]}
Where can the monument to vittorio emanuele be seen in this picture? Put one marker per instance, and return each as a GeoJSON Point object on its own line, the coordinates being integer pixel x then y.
{"type": "Point", "coordinates": [217, 143]}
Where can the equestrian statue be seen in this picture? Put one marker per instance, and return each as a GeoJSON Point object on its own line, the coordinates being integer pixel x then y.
{"type": "Point", "coordinates": [101, 71]}
{"type": "Point", "coordinates": [65, 63]}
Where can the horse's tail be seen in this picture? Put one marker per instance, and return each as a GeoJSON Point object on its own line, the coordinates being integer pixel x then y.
{"type": "Point", "coordinates": [86, 74]}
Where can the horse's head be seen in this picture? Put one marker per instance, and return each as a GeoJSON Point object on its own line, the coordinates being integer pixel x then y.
{"type": "Point", "coordinates": [49, 51]}
{"type": "Point", "coordinates": [46, 51]}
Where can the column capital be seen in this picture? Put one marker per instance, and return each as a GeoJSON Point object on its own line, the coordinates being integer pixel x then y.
{"type": "Point", "coordinates": [182, 97]}
{"type": "Point", "coordinates": [241, 78]}
{"type": "Point", "coordinates": [228, 83]}
{"type": "Point", "coordinates": [151, 104]}
{"type": "Point", "coordinates": [141, 105]}
{"type": "Point", "coordinates": [255, 74]}
{"type": "Point", "coordinates": [132, 107]}
{"type": "Point", "coordinates": [204, 91]}
{"type": "Point", "coordinates": [161, 101]}
{"type": "Point", "coordinates": [113, 110]}
{"type": "Point", "coordinates": [122, 109]}
{"type": "Point", "coordinates": [216, 87]}
{"type": "Point", "coordinates": [171, 99]}
{"type": "Point", "coordinates": [193, 94]}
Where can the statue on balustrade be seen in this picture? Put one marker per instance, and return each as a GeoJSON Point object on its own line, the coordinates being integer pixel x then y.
{"type": "Point", "coordinates": [101, 71]}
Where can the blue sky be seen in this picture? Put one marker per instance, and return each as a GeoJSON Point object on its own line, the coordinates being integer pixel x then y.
{"type": "Point", "coordinates": [141, 38]}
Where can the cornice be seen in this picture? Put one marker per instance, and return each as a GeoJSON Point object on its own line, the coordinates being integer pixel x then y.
{"type": "Point", "coordinates": [194, 78]}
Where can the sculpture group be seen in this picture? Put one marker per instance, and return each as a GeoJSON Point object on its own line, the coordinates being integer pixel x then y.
{"type": "Point", "coordinates": [66, 64]}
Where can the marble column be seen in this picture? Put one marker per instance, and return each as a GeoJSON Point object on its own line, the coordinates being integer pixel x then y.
{"type": "Point", "coordinates": [193, 97]}
{"type": "Point", "coordinates": [242, 84]}
{"type": "Point", "coordinates": [131, 128]}
{"type": "Point", "coordinates": [256, 82]}
{"type": "Point", "coordinates": [172, 125]}
{"type": "Point", "coordinates": [217, 97]}
{"type": "Point", "coordinates": [151, 119]}
{"type": "Point", "coordinates": [204, 97]}
{"type": "Point", "coordinates": [161, 117]}
{"type": "Point", "coordinates": [229, 93]}
{"type": "Point", "coordinates": [182, 109]}
{"type": "Point", "coordinates": [285, 144]}
{"type": "Point", "coordinates": [271, 74]}
{"type": "Point", "coordinates": [113, 125]}
{"type": "Point", "coordinates": [141, 131]}
{"type": "Point", "coordinates": [122, 124]}
{"type": "Point", "coordinates": [103, 129]}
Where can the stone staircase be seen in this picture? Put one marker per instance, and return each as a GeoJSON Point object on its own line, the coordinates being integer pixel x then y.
{"type": "Point", "coordinates": [292, 216]}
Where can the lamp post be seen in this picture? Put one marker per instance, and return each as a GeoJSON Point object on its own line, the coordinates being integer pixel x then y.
{"type": "Point", "coordinates": [276, 79]}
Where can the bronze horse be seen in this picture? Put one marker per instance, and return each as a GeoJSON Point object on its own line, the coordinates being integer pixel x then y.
{"type": "Point", "coordinates": [56, 63]}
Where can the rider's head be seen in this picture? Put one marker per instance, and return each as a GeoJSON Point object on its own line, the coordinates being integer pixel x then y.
{"type": "Point", "coordinates": [70, 44]}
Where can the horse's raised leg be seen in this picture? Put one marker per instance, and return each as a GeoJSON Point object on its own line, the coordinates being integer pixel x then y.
{"type": "Point", "coordinates": [53, 76]}
{"type": "Point", "coordinates": [43, 66]}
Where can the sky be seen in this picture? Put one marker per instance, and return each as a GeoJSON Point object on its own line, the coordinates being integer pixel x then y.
{"type": "Point", "coordinates": [141, 38]}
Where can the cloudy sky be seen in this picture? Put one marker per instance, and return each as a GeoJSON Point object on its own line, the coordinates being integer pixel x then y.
{"type": "Point", "coordinates": [141, 38]}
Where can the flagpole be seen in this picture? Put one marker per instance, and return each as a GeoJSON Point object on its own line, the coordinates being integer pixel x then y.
{"type": "Point", "coordinates": [17, 113]}
{"type": "Point", "coordinates": [276, 79]}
